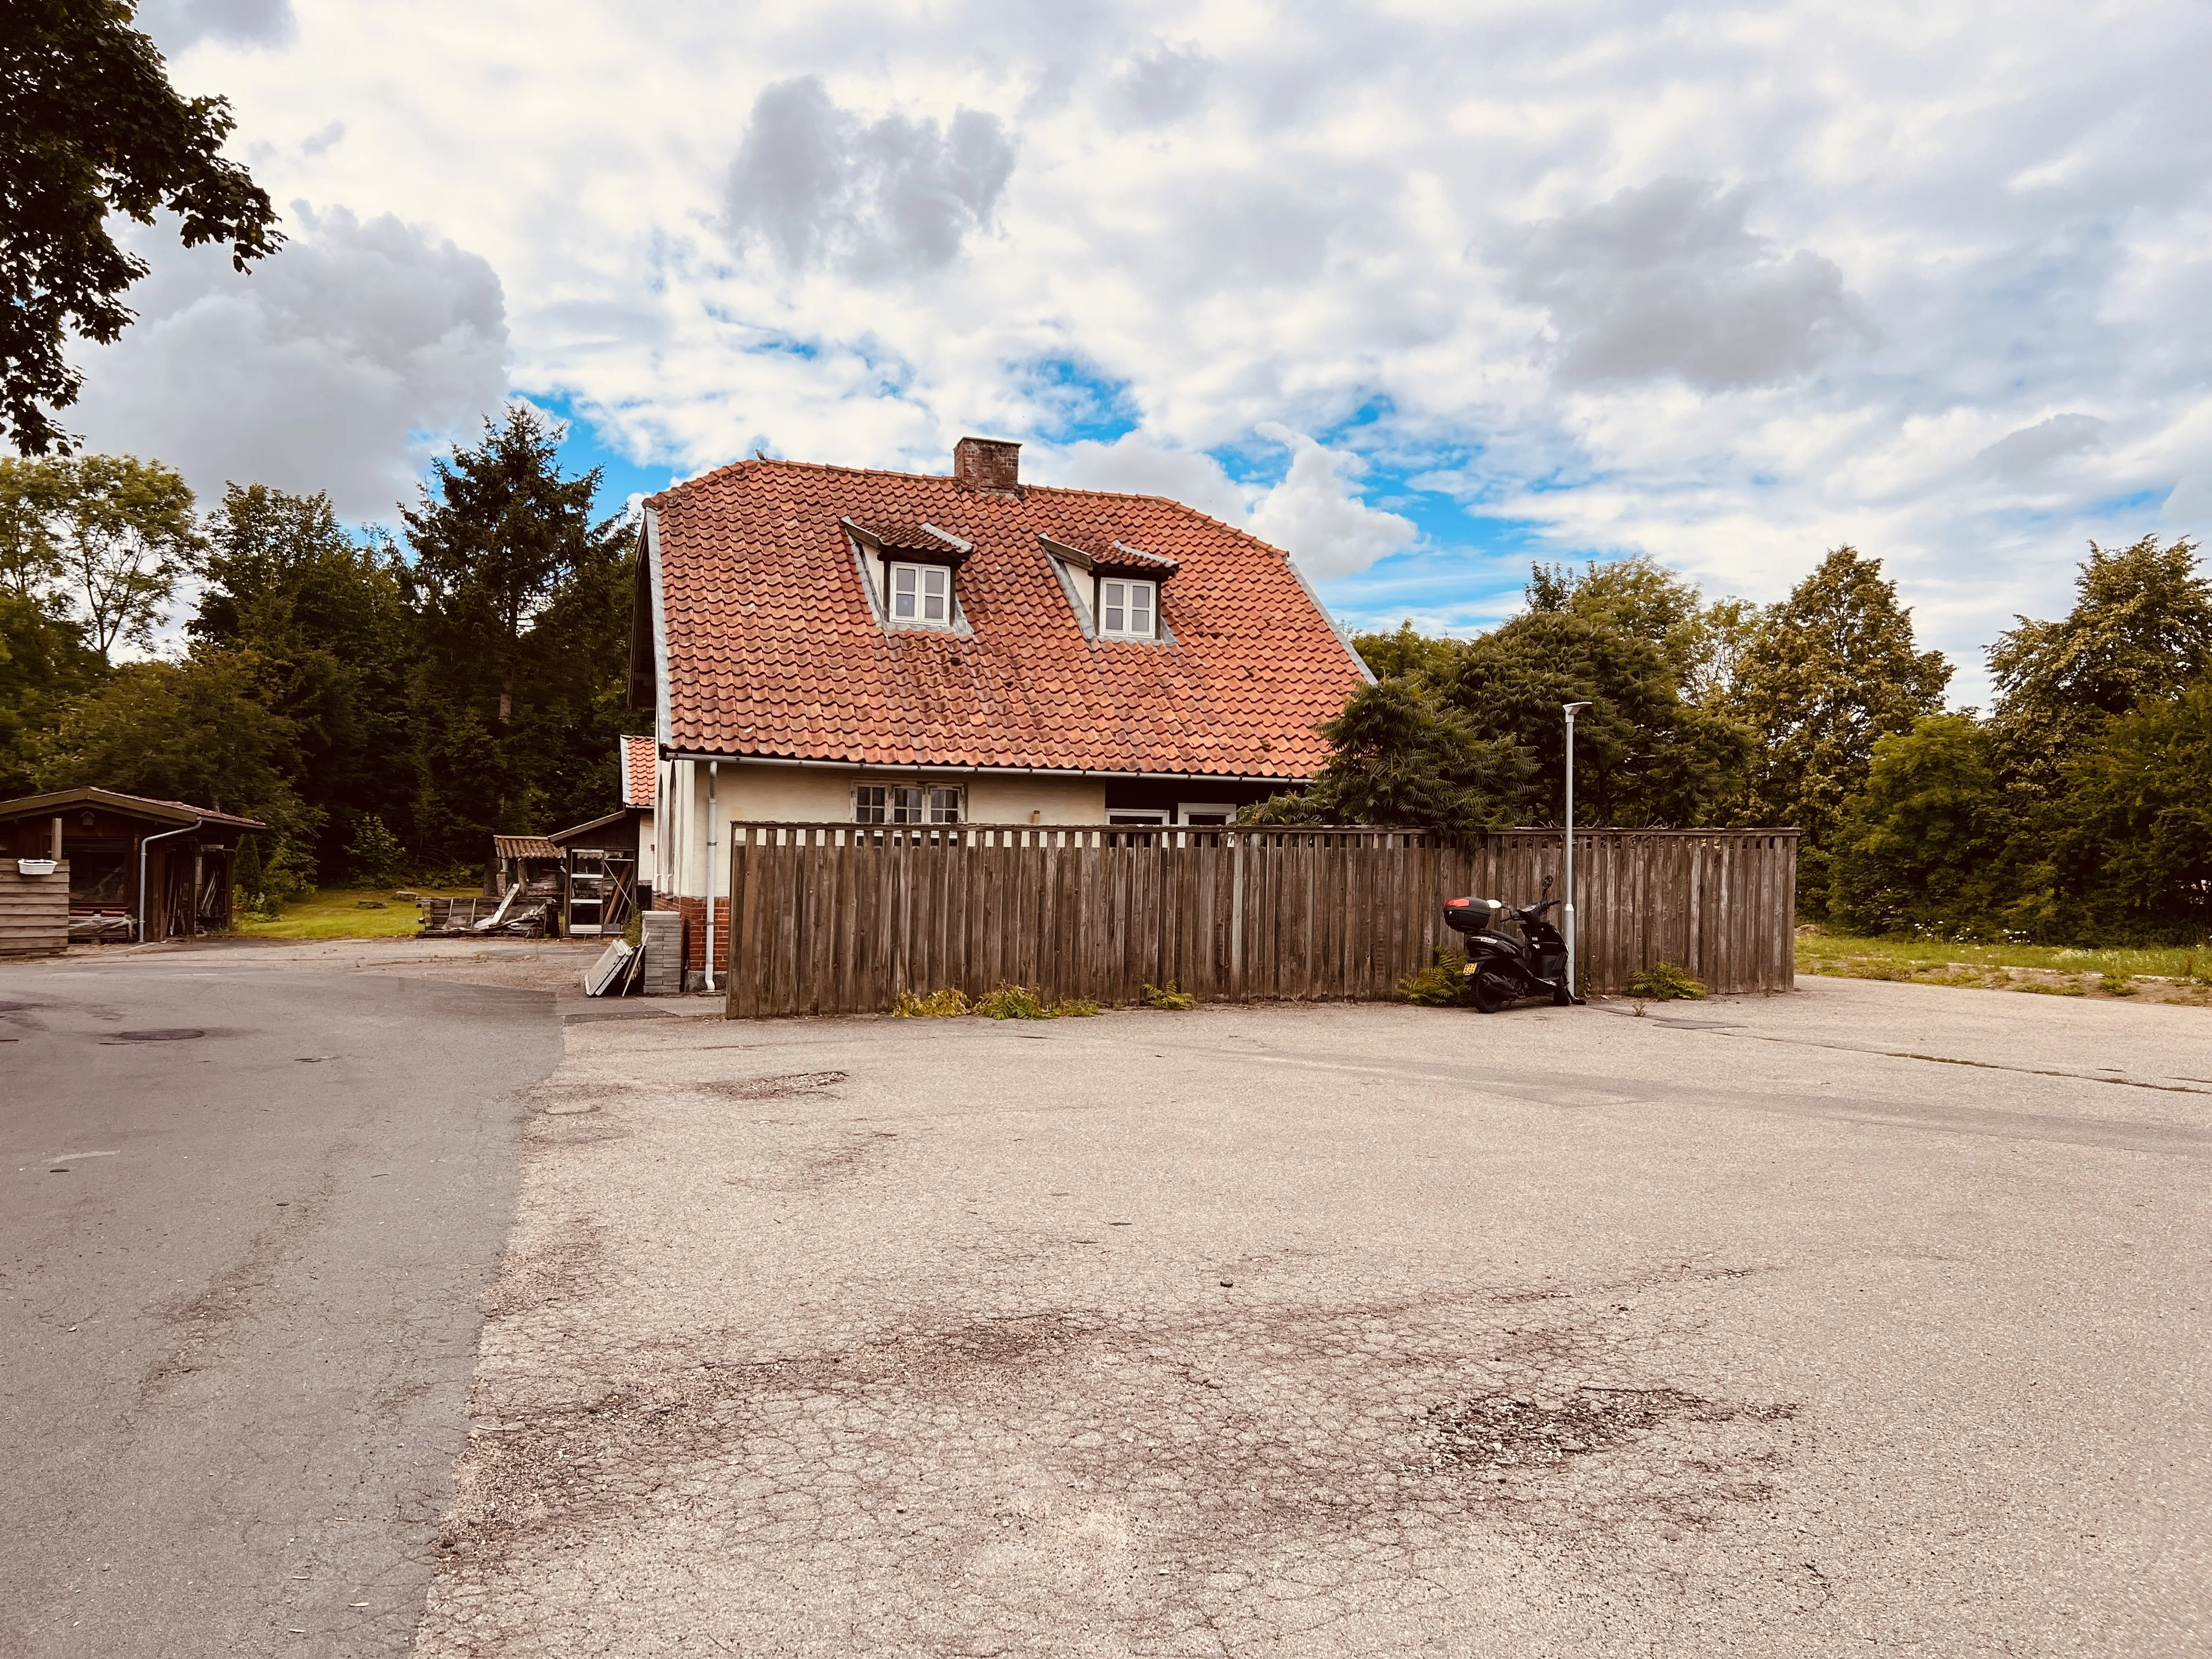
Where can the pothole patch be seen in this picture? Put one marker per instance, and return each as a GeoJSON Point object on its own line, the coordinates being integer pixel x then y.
{"type": "Point", "coordinates": [156, 1034]}
{"type": "Point", "coordinates": [789, 1086]}
{"type": "Point", "coordinates": [1506, 1431]}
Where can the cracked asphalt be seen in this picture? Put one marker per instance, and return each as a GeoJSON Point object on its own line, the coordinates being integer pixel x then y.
{"type": "Point", "coordinates": [1870, 1318]}
{"type": "Point", "coordinates": [254, 1197]}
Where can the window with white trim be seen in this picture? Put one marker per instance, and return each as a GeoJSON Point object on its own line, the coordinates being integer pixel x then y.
{"type": "Point", "coordinates": [892, 803]}
{"type": "Point", "coordinates": [1127, 609]}
{"type": "Point", "coordinates": [922, 593]}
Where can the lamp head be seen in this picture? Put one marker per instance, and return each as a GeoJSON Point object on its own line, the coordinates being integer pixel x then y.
{"type": "Point", "coordinates": [1571, 706]}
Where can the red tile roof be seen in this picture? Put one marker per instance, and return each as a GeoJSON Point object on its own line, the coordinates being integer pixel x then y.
{"type": "Point", "coordinates": [774, 649]}
{"type": "Point", "coordinates": [638, 754]}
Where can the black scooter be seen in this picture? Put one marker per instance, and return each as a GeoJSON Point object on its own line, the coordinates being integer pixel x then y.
{"type": "Point", "coordinates": [1502, 969]}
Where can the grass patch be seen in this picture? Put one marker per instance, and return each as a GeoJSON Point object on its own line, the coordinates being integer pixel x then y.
{"type": "Point", "coordinates": [2045, 969]}
{"type": "Point", "coordinates": [1662, 981]}
{"type": "Point", "coordinates": [348, 913]}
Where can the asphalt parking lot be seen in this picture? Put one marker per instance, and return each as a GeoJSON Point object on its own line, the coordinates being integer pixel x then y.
{"type": "Point", "coordinates": [1871, 1318]}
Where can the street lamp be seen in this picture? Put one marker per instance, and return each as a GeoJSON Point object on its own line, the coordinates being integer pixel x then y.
{"type": "Point", "coordinates": [1569, 915]}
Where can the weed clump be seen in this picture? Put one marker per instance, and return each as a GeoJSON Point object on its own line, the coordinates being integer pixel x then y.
{"type": "Point", "coordinates": [937, 1005]}
{"type": "Point", "coordinates": [1442, 984]}
{"type": "Point", "coordinates": [1170, 997]}
{"type": "Point", "coordinates": [1662, 981]}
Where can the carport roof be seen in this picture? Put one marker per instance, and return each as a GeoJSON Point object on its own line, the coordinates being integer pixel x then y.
{"type": "Point", "coordinates": [144, 806]}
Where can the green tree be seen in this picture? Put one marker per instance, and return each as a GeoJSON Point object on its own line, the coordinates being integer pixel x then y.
{"type": "Point", "coordinates": [521, 604]}
{"type": "Point", "coordinates": [2140, 629]}
{"type": "Point", "coordinates": [191, 730]}
{"type": "Point", "coordinates": [1401, 651]}
{"type": "Point", "coordinates": [1825, 675]}
{"type": "Point", "coordinates": [1643, 755]}
{"type": "Point", "coordinates": [110, 537]}
{"type": "Point", "coordinates": [43, 664]}
{"type": "Point", "coordinates": [90, 128]}
{"type": "Point", "coordinates": [2136, 841]}
{"type": "Point", "coordinates": [1399, 757]}
{"type": "Point", "coordinates": [1924, 847]}
{"type": "Point", "coordinates": [325, 623]}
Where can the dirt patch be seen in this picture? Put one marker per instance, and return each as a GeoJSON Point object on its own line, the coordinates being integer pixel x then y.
{"type": "Point", "coordinates": [791, 1085]}
{"type": "Point", "coordinates": [561, 1267]}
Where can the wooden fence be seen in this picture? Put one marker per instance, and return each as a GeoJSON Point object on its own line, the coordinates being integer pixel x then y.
{"type": "Point", "coordinates": [840, 918]}
{"type": "Point", "coordinates": [34, 914]}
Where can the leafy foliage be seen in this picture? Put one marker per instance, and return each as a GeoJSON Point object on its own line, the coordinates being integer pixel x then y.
{"type": "Point", "coordinates": [1925, 845]}
{"type": "Point", "coordinates": [1824, 676]}
{"type": "Point", "coordinates": [1169, 998]}
{"type": "Point", "coordinates": [108, 537]}
{"type": "Point", "coordinates": [1662, 981]}
{"type": "Point", "coordinates": [1442, 984]}
{"type": "Point", "coordinates": [90, 127]}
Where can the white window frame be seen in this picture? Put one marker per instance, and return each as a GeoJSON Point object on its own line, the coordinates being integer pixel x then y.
{"type": "Point", "coordinates": [922, 578]}
{"type": "Point", "coordinates": [910, 803]}
{"type": "Point", "coordinates": [1138, 818]}
{"type": "Point", "coordinates": [1114, 597]}
{"type": "Point", "coordinates": [1226, 813]}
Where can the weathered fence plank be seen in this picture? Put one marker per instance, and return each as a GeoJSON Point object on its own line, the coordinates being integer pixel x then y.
{"type": "Point", "coordinates": [837, 918]}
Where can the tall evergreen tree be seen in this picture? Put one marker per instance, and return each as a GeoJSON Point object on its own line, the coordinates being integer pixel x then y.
{"type": "Point", "coordinates": [325, 621]}
{"type": "Point", "coordinates": [1824, 675]}
{"type": "Point", "coordinates": [510, 576]}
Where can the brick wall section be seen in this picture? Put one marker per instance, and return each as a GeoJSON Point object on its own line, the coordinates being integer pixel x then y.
{"type": "Point", "coordinates": [694, 912]}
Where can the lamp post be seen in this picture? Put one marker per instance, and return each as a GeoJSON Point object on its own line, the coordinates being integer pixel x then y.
{"type": "Point", "coordinates": [1568, 916]}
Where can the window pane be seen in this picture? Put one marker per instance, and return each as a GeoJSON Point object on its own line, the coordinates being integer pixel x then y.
{"type": "Point", "coordinates": [945, 806]}
{"type": "Point", "coordinates": [906, 807]}
{"type": "Point", "coordinates": [1141, 607]}
{"type": "Point", "coordinates": [902, 590]}
{"type": "Point", "coordinates": [868, 805]}
{"type": "Point", "coordinates": [1111, 606]}
{"type": "Point", "coordinates": [932, 590]}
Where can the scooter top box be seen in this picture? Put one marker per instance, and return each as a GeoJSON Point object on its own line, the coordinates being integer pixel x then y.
{"type": "Point", "coordinates": [1473, 915]}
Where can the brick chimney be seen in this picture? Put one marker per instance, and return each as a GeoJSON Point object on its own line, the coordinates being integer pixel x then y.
{"type": "Point", "coordinates": [988, 464]}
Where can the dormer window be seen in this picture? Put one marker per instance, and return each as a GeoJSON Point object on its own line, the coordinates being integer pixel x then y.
{"type": "Point", "coordinates": [922, 593]}
{"type": "Point", "coordinates": [1127, 609]}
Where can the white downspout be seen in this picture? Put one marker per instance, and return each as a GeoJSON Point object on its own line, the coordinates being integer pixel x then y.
{"type": "Point", "coordinates": [142, 846]}
{"type": "Point", "coordinates": [712, 766]}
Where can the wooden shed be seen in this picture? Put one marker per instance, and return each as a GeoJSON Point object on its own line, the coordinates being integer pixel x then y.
{"type": "Point", "coordinates": [607, 878]}
{"type": "Point", "coordinates": [138, 868]}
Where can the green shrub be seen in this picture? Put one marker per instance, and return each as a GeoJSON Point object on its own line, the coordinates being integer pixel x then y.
{"type": "Point", "coordinates": [1662, 981]}
{"type": "Point", "coordinates": [937, 1005]}
{"type": "Point", "coordinates": [1073, 1008]}
{"type": "Point", "coordinates": [1442, 984]}
{"type": "Point", "coordinates": [1170, 997]}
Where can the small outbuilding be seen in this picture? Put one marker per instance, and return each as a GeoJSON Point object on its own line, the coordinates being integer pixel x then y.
{"type": "Point", "coordinates": [138, 868]}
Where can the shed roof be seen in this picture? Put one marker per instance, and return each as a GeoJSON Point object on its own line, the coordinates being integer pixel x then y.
{"type": "Point", "coordinates": [775, 649]}
{"type": "Point", "coordinates": [524, 846]}
{"type": "Point", "coordinates": [145, 806]}
{"type": "Point", "coordinates": [562, 837]}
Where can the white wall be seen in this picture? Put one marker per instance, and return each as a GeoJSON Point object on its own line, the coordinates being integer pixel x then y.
{"type": "Point", "coordinates": [804, 794]}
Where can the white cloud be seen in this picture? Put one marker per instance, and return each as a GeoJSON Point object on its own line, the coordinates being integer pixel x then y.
{"type": "Point", "coordinates": [883, 199]}
{"type": "Point", "coordinates": [1315, 512]}
{"type": "Point", "coordinates": [1728, 285]}
{"type": "Point", "coordinates": [2034, 449]}
{"type": "Point", "coordinates": [335, 364]}
{"type": "Point", "coordinates": [177, 25]}
{"type": "Point", "coordinates": [1666, 280]}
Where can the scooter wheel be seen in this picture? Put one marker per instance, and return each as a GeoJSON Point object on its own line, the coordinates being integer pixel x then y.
{"type": "Point", "coordinates": [1490, 996]}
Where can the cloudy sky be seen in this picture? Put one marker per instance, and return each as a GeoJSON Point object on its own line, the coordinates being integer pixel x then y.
{"type": "Point", "coordinates": [1419, 291]}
